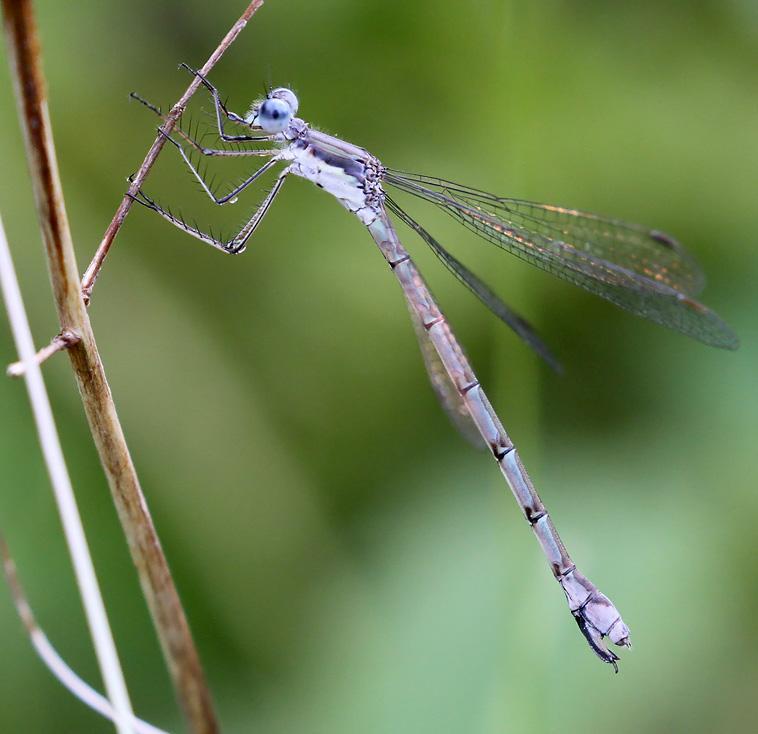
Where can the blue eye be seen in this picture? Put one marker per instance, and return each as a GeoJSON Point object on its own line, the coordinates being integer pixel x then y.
{"type": "Point", "coordinates": [274, 114]}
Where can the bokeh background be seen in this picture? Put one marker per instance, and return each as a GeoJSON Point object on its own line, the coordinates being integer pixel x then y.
{"type": "Point", "coordinates": [348, 563]}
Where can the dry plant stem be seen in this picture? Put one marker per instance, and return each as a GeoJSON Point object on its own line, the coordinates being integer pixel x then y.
{"type": "Point", "coordinates": [90, 275]}
{"type": "Point", "coordinates": [73, 530]}
{"type": "Point", "coordinates": [61, 341]}
{"type": "Point", "coordinates": [158, 586]}
{"type": "Point", "coordinates": [49, 655]}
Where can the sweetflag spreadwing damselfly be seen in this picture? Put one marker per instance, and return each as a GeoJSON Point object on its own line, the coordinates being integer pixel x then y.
{"type": "Point", "coordinates": [644, 271]}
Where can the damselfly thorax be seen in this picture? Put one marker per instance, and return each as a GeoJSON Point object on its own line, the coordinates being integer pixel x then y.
{"type": "Point", "coordinates": [351, 174]}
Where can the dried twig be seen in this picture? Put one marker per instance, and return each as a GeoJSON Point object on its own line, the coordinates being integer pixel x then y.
{"type": "Point", "coordinates": [90, 275]}
{"type": "Point", "coordinates": [50, 657]}
{"type": "Point", "coordinates": [155, 577]}
{"type": "Point", "coordinates": [84, 570]}
{"type": "Point", "coordinates": [61, 341]}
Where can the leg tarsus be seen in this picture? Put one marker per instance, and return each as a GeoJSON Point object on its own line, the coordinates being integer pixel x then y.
{"type": "Point", "coordinates": [200, 76]}
{"type": "Point", "coordinates": [155, 108]}
{"type": "Point", "coordinates": [226, 138]}
{"type": "Point", "coordinates": [221, 107]}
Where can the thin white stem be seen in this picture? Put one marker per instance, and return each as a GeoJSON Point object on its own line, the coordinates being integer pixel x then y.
{"type": "Point", "coordinates": [94, 608]}
{"type": "Point", "coordinates": [50, 657]}
{"type": "Point", "coordinates": [79, 688]}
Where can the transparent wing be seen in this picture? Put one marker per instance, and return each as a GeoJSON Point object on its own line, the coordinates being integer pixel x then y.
{"type": "Point", "coordinates": [481, 290]}
{"type": "Point", "coordinates": [643, 271]}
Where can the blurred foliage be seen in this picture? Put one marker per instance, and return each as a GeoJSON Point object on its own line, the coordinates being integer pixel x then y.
{"type": "Point", "coordinates": [348, 564]}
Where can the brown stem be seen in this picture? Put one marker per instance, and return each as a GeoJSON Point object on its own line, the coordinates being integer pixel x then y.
{"type": "Point", "coordinates": [93, 269]}
{"type": "Point", "coordinates": [17, 592]}
{"type": "Point", "coordinates": [154, 574]}
{"type": "Point", "coordinates": [64, 340]}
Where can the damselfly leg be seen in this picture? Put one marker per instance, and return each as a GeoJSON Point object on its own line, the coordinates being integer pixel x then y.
{"type": "Point", "coordinates": [234, 246]}
{"type": "Point", "coordinates": [222, 111]}
{"type": "Point", "coordinates": [232, 195]}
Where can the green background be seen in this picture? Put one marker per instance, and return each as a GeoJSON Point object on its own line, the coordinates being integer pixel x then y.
{"type": "Point", "coordinates": [347, 562]}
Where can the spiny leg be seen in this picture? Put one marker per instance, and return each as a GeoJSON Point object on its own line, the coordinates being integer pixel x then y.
{"type": "Point", "coordinates": [237, 189]}
{"type": "Point", "coordinates": [234, 246]}
{"type": "Point", "coordinates": [199, 147]}
{"type": "Point", "coordinates": [221, 108]}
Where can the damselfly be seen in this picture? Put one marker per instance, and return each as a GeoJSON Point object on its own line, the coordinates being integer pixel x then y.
{"type": "Point", "coordinates": [641, 270]}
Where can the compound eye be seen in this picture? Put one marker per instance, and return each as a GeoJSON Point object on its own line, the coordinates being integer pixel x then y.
{"type": "Point", "coordinates": [274, 115]}
{"type": "Point", "coordinates": [286, 95]}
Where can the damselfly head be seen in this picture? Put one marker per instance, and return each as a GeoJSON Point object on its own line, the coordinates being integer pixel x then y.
{"type": "Point", "coordinates": [274, 113]}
